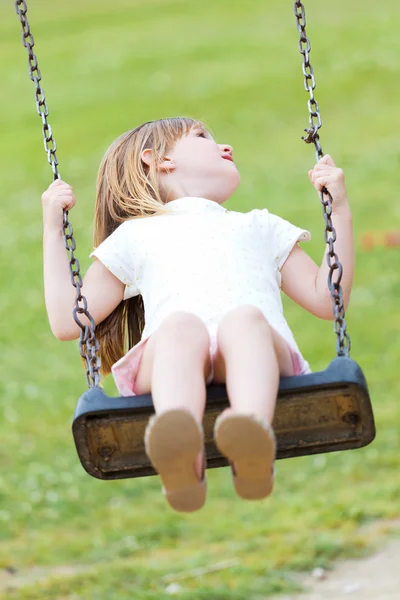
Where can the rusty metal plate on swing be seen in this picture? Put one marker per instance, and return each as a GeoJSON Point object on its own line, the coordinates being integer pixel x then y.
{"type": "Point", "coordinates": [316, 413]}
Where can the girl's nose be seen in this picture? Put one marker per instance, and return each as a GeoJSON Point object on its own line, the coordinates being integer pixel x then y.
{"type": "Point", "coordinates": [226, 149]}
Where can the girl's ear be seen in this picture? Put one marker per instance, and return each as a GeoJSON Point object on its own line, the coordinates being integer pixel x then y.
{"type": "Point", "coordinates": [146, 157]}
{"type": "Point", "coordinates": [166, 164]}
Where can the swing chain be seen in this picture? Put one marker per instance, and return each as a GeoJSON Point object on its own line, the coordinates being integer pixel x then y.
{"type": "Point", "coordinates": [36, 76]}
{"type": "Point", "coordinates": [335, 267]}
{"type": "Point", "coordinates": [88, 344]}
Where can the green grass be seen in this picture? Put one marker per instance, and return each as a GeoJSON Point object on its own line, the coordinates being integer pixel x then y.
{"type": "Point", "coordinates": [107, 67]}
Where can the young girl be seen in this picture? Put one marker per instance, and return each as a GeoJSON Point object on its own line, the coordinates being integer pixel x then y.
{"type": "Point", "coordinates": [193, 291]}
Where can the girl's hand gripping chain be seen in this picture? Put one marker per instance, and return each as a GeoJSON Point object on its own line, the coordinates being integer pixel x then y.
{"type": "Point", "coordinates": [326, 174]}
{"type": "Point", "coordinates": [58, 197]}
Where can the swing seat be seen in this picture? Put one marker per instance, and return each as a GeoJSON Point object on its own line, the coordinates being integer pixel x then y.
{"type": "Point", "coordinates": [322, 412]}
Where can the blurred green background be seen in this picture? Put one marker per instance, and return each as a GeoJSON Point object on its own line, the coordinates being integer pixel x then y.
{"type": "Point", "coordinates": [107, 67]}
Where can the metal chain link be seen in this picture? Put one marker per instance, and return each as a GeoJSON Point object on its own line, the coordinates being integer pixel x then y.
{"type": "Point", "coordinates": [88, 344]}
{"type": "Point", "coordinates": [335, 266]}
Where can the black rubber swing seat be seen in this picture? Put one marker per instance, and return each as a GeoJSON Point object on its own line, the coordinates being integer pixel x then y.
{"type": "Point", "coordinates": [322, 412]}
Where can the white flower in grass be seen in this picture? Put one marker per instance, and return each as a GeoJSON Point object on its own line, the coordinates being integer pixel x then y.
{"type": "Point", "coordinates": [52, 496]}
{"type": "Point", "coordinates": [173, 589]}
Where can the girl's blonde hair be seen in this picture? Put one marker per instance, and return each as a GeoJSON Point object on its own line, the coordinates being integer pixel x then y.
{"type": "Point", "coordinates": [129, 188]}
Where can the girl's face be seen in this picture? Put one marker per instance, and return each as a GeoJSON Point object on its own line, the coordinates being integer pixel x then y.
{"type": "Point", "coordinates": [201, 167]}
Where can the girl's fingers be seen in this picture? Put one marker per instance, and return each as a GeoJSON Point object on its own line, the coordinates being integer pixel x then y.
{"type": "Point", "coordinates": [332, 173]}
{"type": "Point", "coordinates": [328, 175]}
{"type": "Point", "coordinates": [67, 202]}
{"type": "Point", "coordinates": [326, 160]}
{"type": "Point", "coordinates": [324, 168]}
{"type": "Point", "coordinates": [58, 184]}
{"type": "Point", "coordinates": [320, 183]}
{"type": "Point", "coordinates": [63, 193]}
{"type": "Point", "coordinates": [325, 177]}
{"type": "Point", "coordinates": [64, 198]}
{"type": "Point", "coordinates": [63, 189]}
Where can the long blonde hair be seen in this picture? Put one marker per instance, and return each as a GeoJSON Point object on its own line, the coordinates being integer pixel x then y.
{"type": "Point", "coordinates": [129, 188]}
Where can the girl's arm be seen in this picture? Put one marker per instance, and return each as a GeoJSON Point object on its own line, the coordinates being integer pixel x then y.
{"type": "Point", "coordinates": [302, 280]}
{"type": "Point", "coordinates": [103, 291]}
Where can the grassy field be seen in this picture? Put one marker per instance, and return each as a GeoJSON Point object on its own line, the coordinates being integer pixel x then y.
{"type": "Point", "coordinates": [108, 66]}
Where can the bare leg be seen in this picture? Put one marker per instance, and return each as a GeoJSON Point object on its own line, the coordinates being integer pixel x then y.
{"type": "Point", "coordinates": [250, 359]}
{"type": "Point", "coordinates": [175, 366]}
